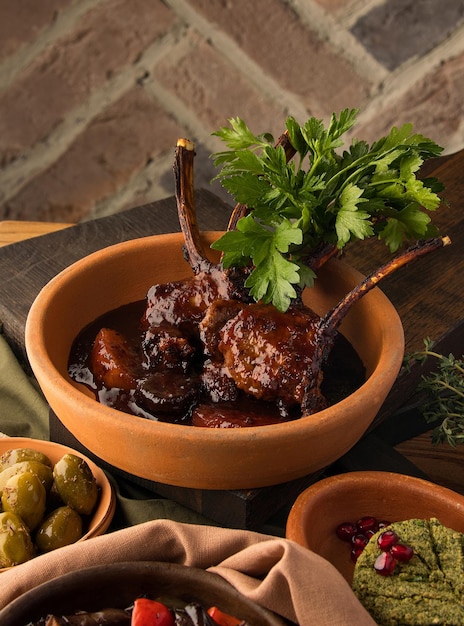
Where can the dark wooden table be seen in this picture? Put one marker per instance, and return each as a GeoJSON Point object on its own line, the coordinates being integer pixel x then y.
{"type": "Point", "coordinates": [429, 296]}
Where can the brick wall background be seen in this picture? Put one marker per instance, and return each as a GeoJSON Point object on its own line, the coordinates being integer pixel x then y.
{"type": "Point", "coordinates": [95, 93]}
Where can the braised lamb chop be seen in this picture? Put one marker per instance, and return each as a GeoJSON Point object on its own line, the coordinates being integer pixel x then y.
{"type": "Point", "coordinates": [160, 375]}
{"type": "Point", "coordinates": [279, 357]}
{"type": "Point", "coordinates": [209, 353]}
{"type": "Point", "coordinates": [183, 303]}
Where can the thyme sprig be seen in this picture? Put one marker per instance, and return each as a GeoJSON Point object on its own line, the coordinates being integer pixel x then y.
{"type": "Point", "coordinates": [444, 388]}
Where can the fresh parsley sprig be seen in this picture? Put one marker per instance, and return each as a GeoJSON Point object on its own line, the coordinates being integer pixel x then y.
{"type": "Point", "coordinates": [321, 197]}
{"type": "Point", "coordinates": [444, 389]}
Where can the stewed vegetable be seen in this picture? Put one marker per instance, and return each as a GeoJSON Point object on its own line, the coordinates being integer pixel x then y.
{"type": "Point", "coordinates": [148, 612]}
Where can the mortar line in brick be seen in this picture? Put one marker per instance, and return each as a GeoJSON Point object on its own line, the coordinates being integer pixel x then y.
{"type": "Point", "coordinates": [340, 39]}
{"type": "Point", "coordinates": [412, 72]}
{"type": "Point", "coordinates": [252, 72]}
{"type": "Point", "coordinates": [145, 179]}
{"type": "Point", "coordinates": [66, 19]}
{"type": "Point", "coordinates": [183, 115]}
{"type": "Point", "coordinates": [351, 13]}
{"type": "Point", "coordinates": [43, 154]}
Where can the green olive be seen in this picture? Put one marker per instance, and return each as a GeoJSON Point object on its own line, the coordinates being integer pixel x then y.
{"type": "Point", "coordinates": [44, 472]}
{"type": "Point", "coordinates": [25, 495]}
{"type": "Point", "coordinates": [75, 483]}
{"type": "Point", "coordinates": [62, 527]}
{"type": "Point", "coordinates": [15, 541]}
{"type": "Point", "coordinates": [16, 455]}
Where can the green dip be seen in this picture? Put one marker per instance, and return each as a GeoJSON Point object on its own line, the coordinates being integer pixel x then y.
{"type": "Point", "coordinates": [429, 589]}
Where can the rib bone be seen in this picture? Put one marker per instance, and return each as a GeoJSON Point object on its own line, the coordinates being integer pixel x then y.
{"type": "Point", "coordinates": [183, 172]}
{"type": "Point", "coordinates": [328, 325]}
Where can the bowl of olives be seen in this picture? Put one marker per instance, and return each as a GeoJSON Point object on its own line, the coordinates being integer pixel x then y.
{"type": "Point", "coordinates": [51, 496]}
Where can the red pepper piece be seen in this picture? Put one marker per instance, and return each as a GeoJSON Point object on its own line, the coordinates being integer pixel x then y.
{"type": "Point", "coordinates": [223, 619]}
{"type": "Point", "coordinates": [151, 613]}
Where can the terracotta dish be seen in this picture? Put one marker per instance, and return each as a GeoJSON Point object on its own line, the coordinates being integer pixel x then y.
{"type": "Point", "coordinates": [347, 497]}
{"type": "Point", "coordinates": [105, 510]}
{"type": "Point", "coordinates": [200, 457]}
{"type": "Point", "coordinates": [117, 585]}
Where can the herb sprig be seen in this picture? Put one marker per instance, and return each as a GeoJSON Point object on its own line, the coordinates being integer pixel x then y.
{"type": "Point", "coordinates": [444, 388]}
{"type": "Point", "coordinates": [321, 197]}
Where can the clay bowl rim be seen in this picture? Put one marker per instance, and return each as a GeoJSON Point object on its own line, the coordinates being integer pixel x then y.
{"type": "Point", "coordinates": [390, 359]}
{"type": "Point", "coordinates": [389, 486]}
{"type": "Point", "coordinates": [66, 387]}
{"type": "Point", "coordinates": [205, 586]}
{"type": "Point", "coordinates": [101, 518]}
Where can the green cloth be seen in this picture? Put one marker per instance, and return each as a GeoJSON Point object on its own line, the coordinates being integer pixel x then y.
{"type": "Point", "coordinates": [23, 409]}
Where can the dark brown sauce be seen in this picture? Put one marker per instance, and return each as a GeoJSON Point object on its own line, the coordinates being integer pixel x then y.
{"type": "Point", "coordinates": [343, 374]}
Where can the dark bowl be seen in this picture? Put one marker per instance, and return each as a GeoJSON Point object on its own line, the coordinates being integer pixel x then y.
{"type": "Point", "coordinates": [117, 586]}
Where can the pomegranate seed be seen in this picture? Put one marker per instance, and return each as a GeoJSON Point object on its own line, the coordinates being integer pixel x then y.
{"type": "Point", "coordinates": [401, 552]}
{"type": "Point", "coordinates": [387, 539]}
{"type": "Point", "coordinates": [355, 553]}
{"type": "Point", "coordinates": [383, 523]}
{"type": "Point", "coordinates": [368, 522]}
{"type": "Point", "coordinates": [385, 564]}
{"type": "Point", "coordinates": [346, 530]}
{"type": "Point", "coordinates": [359, 534]}
{"type": "Point", "coordinates": [359, 541]}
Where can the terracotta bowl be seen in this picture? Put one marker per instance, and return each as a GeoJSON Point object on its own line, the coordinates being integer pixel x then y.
{"type": "Point", "coordinates": [200, 457]}
{"type": "Point", "coordinates": [117, 586]}
{"type": "Point", "coordinates": [104, 513]}
{"type": "Point", "coordinates": [347, 497]}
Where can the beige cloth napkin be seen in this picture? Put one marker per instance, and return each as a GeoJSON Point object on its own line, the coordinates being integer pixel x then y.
{"type": "Point", "coordinates": [277, 574]}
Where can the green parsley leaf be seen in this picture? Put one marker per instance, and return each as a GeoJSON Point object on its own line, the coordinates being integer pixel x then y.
{"type": "Point", "coordinates": [322, 197]}
{"type": "Point", "coordinates": [350, 221]}
{"type": "Point", "coordinates": [272, 280]}
{"type": "Point", "coordinates": [246, 188]}
{"type": "Point", "coordinates": [409, 223]}
{"type": "Point", "coordinates": [240, 137]}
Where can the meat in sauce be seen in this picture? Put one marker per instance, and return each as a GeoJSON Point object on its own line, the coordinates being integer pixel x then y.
{"type": "Point", "coordinates": [197, 351]}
